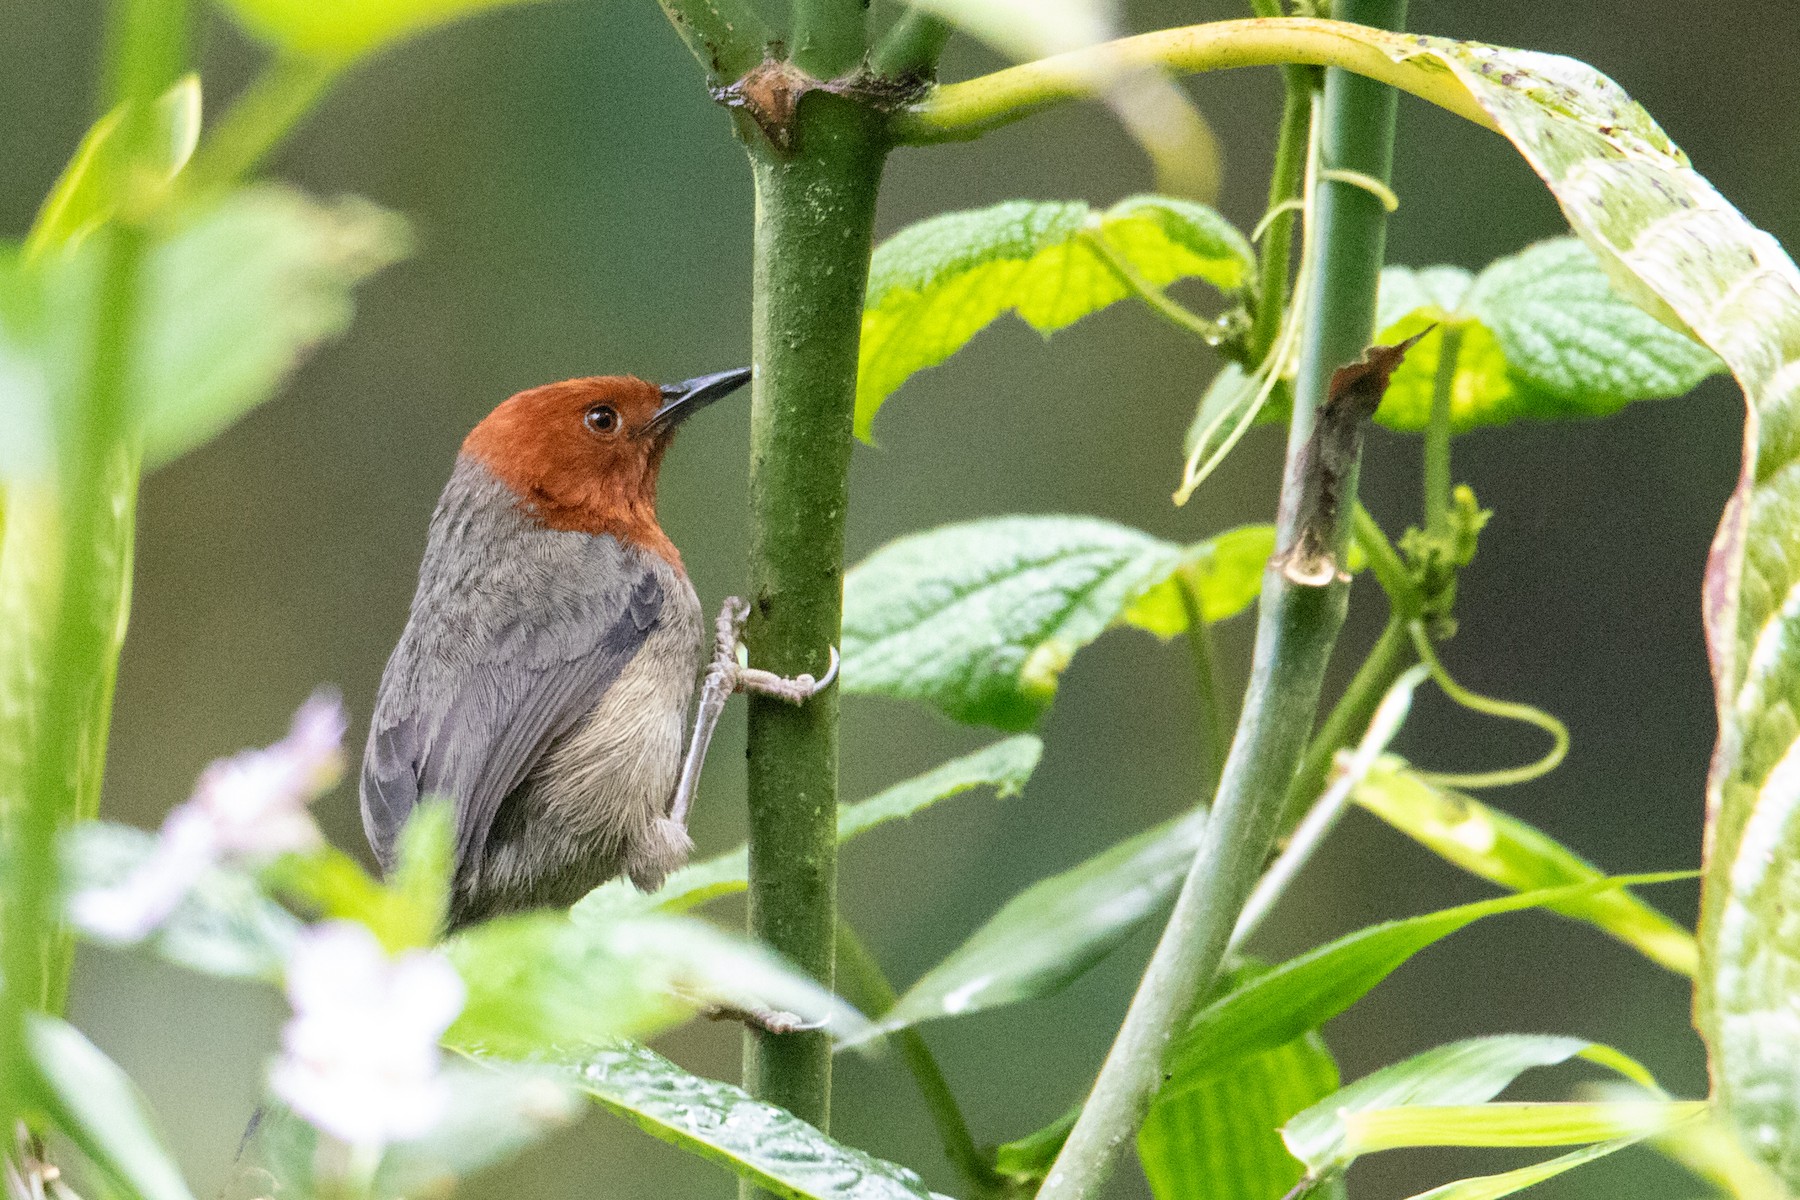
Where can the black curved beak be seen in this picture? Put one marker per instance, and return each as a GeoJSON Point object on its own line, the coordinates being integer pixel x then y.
{"type": "Point", "coordinates": [682, 400]}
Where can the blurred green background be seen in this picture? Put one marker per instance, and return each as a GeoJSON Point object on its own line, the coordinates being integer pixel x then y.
{"type": "Point", "coordinates": [581, 207]}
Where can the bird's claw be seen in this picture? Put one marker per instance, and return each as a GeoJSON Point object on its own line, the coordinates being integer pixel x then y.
{"type": "Point", "coordinates": [770, 1020]}
{"type": "Point", "coordinates": [795, 690]}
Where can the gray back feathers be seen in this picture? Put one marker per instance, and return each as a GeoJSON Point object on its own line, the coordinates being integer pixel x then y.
{"type": "Point", "coordinates": [515, 633]}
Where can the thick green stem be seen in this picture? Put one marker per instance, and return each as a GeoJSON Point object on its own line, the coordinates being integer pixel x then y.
{"type": "Point", "coordinates": [815, 213]}
{"type": "Point", "coordinates": [1437, 433]}
{"type": "Point", "coordinates": [965, 110]}
{"type": "Point", "coordinates": [862, 982]}
{"type": "Point", "coordinates": [266, 112]}
{"type": "Point", "coordinates": [1296, 630]}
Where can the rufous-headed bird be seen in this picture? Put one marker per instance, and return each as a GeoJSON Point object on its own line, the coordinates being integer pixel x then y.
{"type": "Point", "coordinates": [543, 680]}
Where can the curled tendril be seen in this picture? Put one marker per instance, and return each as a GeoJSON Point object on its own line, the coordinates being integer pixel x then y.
{"type": "Point", "coordinates": [1508, 710]}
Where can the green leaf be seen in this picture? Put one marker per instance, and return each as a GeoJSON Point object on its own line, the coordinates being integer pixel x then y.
{"type": "Point", "coordinates": [233, 296]}
{"type": "Point", "coordinates": [225, 925]}
{"type": "Point", "coordinates": [1459, 1073]}
{"type": "Point", "coordinates": [496, 1109]}
{"type": "Point", "coordinates": [1225, 570]}
{"type": "Point", "coordinates": [1492, 1187]}
{"type": "Point", "coordinates": [1543, 334]}
{"type": "Point", "coordinates": [238, 295]}
{"type": "Point", "coordinates": [1564, 1124]}
{"type": "Point", "coordinates": [340, 30]}
{"type": "Point", "coordinates": [1222, 1136]}
{"type": "Point", "coordinates": [1305, 992]}
{"type": "Point", "coordinates": [1004, 766]}
{"type": "Point", "coordinates": [935, 285]}
{"type": "Point", "coordinates": [766, 1145]}
{"type": "Point", "coordinates": [1056, 929]}
{"type": "Point", "coordinates": [1673, 245]}
{"type": "Point", "coordinates": [979, 619]}
{"type": "Point", "coordinates": [538, 980]}
{"type": "Point", "coordinates": [420, 881]}
{"type": "Point", "coordinates": [1487, 842]}
{"type": "Point", "coordinates": [99, 179]}
{"type": "Point", "coordinates": [93, 1102]}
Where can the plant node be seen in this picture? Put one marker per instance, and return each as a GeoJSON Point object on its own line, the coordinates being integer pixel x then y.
{"type": "Point", "coordinates": [1436, 559]}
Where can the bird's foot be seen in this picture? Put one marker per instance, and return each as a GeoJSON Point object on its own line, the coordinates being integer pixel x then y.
{"type": "Point", "coordinates": [727, 671]}
{"type": "Point", "coordinates": [769, 1020]}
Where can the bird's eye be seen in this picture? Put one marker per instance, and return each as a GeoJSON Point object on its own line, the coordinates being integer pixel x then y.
{"type": "Point", "coordinates": [601, 419]}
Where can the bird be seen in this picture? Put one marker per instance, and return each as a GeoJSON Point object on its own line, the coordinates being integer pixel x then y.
{"type": "Point", "coordinates": [542, 682]}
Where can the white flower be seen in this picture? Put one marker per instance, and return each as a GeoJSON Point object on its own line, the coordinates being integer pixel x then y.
{"type": "Point", "coordinates": [249, 806]}
{"type": "Point", "coordinates": [360, 1056]}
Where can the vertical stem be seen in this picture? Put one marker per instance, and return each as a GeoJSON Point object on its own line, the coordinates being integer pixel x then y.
{"type": "Point", "coordinates": [830, 36]}
{"type": "Point", "coordinates": [1437, 433]}
{"type": "Point", "coordinates": [1296, 629]}
{"type": "Point", "coordinates": [815, 214]}
{"type": "Point", "coordinates": [863, 983]}
{"type": "Point", "coordinates": [912, 46]}
{"type": "Point", "coordinates": [1284, 187]}
{"type": "Point", "coordinates": [1350, 716]}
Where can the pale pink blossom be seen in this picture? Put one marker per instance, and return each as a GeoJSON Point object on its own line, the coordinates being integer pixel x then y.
{"type": "Point", "coordinates": [360, 1057]}
{"type": "Point", "coordinates": [246, 808]}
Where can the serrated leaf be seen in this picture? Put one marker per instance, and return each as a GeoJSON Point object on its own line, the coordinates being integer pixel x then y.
{"type": "Point", "coordinates": [340, 30]}
{"type": "Point", "coordinates": [1003, 766]}
{"type": "Point", "coordinates": [1056, 929]}
{"type": "Point", "coordinates": [1507, 851]}
{"type": "Point", "coordinates": [1305, 992]}
{"type": "Point", "coordinates": [764, 1144]}
{"type": "Point", "coordinates": [538, 980]}
{"type": "Point", "coordinates": [1226, 571]}
{"type": "Point", "coordinates": [1460, 1073]}
{"type": "Point", "coordinates": [1542, 334]}
{"type": "Point", "coordinates": [233, 296]}
{"type": "Point", "coordinates": [938, 283]}
{"type": "Point", "coordinates": [1222, 1136]}
{"type": "Point", "coordinates": [980, 619]}
{"type": "Point", "coordinates": [98, 1108]}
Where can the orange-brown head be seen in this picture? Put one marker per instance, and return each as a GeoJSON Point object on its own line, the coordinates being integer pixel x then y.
{"type": "Point", "coordinates": [583, 454]}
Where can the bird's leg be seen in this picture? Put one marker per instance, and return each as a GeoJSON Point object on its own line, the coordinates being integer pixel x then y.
{"type": "Point", "coordinates": [725, 675]}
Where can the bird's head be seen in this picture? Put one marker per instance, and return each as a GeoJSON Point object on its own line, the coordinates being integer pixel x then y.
{"type": "Point", "coordinates": [583, 454]}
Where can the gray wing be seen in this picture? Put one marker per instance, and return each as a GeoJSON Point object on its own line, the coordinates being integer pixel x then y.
{"type": "Point", "coordinates": [486, 679]}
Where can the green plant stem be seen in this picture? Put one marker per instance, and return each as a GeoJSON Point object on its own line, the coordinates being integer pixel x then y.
{"type": "Point", "coordinates": [862, 982]}
{"type": "Point", "coordinates": [1297, 628]}
{"type": "Point", "coordinates": [1349, 717]}
{"type": "Point", "coordinates": [969, 109]}
{"type": "Point", "coordinates": [727, 36]}
{"type": "Point", "coordinates": [830, 36]}
{"type": "Point", "coordinates": [815, 214]}
{"type": "Point", "coordinates": [912, 47]}
{"type": "Point", "coordinates": [1437, 433]}
{"type": "Point", "coordinates": [265, 113]}
{"type": "Point", "coordinates": [1214, 727]}
{"type": "Point", "coordinates": [1385, 564]}
{"type": "Point", "coordinates": [1284, 187]}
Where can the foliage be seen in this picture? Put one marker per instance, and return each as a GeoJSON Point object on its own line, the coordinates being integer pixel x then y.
{"type": "Point", "coordinates": [156, 301]}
